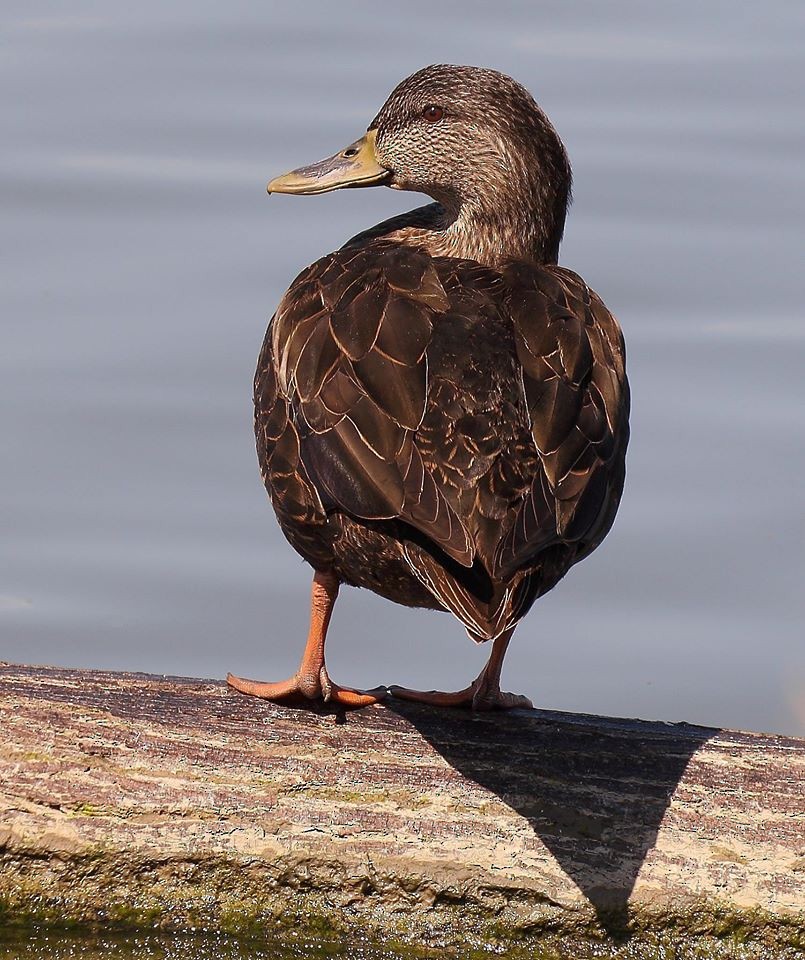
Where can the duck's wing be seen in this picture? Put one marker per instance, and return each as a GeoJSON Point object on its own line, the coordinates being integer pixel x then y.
{"type": "Point", "coordinates": [547, 480]}
{"type": "Point", "coordinates": [342, 387]}
{"type": "Point", "coordinates": [572, 356]}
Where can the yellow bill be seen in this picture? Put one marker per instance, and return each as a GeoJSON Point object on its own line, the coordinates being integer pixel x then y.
{"type": "Point", "coordinates": [354, 166]}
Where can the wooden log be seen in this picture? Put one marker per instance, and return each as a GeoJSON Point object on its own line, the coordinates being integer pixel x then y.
{"type": "Point", "coordinates": [163, 801]}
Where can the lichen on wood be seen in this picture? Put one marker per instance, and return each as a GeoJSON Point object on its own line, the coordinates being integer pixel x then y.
{"type": "Point", "coordinates": [164, 802]}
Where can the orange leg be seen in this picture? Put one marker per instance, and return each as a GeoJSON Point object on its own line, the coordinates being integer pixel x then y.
{"type": "Point", "coordinates": [484, 693]}
{"type": "Point", "coordinates": [311, 681]}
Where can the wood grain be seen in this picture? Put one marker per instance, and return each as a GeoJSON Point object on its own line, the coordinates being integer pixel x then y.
{"type": "Point", "coordinates": [173, 802]}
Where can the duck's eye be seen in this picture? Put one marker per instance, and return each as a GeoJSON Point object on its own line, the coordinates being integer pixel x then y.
{"type": "Point", "coordinates": [432, 113]}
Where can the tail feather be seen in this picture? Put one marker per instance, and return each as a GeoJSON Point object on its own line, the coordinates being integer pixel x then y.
{"type": "Point", "coordinates": [483, 619]}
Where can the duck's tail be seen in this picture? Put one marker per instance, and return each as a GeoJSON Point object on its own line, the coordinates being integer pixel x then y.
{"type": "Point", "coordinates": [486, 612]}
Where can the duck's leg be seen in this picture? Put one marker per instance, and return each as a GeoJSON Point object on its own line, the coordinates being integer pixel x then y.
{"type": "Point", "coordinates": [311, 681]}
{"type": "Point", "coordinates": [484, 693]}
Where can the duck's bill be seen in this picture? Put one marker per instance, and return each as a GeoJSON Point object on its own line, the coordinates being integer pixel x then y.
{"type": "Point", "coordinates": [354, 166]}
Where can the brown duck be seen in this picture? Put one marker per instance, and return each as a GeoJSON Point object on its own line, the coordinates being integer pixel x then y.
{"type": "Point", "coordinates": [441, 411]}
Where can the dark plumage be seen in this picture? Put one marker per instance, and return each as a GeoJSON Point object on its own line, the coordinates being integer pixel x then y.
{"type": "Point", "coordinates": [442, 411]}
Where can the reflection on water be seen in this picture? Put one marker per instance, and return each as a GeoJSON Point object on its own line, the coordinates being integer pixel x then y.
{"type": "Point", "coordinates": [142, 258]}
{"type": "Point", "coordinates": [61, 945]}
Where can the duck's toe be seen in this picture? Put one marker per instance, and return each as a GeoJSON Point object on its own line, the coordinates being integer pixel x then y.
{"type": "Point", "coordinates": [477, 696]}
{"type": "Point", "coordinates": [299, 690]}
{"type": "Point", "coordinates": [435, 698]}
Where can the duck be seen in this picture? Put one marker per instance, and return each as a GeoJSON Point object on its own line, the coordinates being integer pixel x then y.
{"type": "Point", "coordinates": [441, 410]}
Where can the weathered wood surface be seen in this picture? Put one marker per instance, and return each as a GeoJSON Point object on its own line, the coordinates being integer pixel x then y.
{"type": "Point", "coordinates": [175, 802]}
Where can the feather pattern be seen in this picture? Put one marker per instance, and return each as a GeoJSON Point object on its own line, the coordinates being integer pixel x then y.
{"type": "Point", "coordinates": [461, 427]}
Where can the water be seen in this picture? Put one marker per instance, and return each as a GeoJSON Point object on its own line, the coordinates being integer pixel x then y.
{"type": "Point", "coordinates": [142, 259]}
{"type": "Point", "coordinates": [36, 944]}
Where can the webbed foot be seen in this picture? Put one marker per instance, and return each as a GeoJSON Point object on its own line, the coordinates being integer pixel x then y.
{"type": "Point", "coordinates": [477, 696]}
{"type": "Point", "coordinates": [307, 687]}
{"type": "Point", "coordinates": [311, 682]}
{"type": "Point", "coordinates": [483, 693]}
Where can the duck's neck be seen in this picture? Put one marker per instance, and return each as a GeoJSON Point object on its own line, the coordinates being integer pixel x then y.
{"type": "Point", "coordinates": [523, 219]}
{"type": "Point", "coordinates": [487, 234]}
{"type": "Point", "coordinates": [491, 235]}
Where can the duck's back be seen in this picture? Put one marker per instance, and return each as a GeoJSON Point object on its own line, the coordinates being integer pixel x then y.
{"type": "Point", "coordinates": [443, 433]}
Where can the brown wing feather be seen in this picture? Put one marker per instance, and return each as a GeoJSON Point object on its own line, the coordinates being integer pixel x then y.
{"type": "Point", "coordinates": [487, 411]}
{"type": "Point", "coordinates": [574, 380]}
{"type": "Point", "coordinates": [526, 431]}
{"type": "Point", "coordinates": [349, 342]}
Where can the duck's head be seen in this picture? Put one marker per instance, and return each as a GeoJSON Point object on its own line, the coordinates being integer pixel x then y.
{"type": "Point", "coordinates": [475, 141]}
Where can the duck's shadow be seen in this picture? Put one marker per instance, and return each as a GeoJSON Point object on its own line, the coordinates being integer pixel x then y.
{"type": "Point", "coordinates": [594, 791]}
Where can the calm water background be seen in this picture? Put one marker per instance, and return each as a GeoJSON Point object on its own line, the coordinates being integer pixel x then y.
{"type": "Point", "coordinates": [141, 260]}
